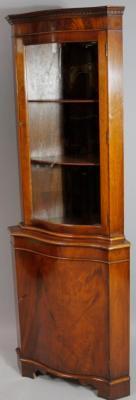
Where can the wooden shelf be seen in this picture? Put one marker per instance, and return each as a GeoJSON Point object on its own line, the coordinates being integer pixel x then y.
{"type": "Point", "coordinates": [42, 219]}
{"type": "Point", "coordinates": [63, 101]}
{"type": "Point", "coordinates": [89, 160]}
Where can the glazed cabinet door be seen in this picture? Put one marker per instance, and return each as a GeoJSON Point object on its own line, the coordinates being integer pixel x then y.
{"type": "Point", "coordinates": [62, 104]}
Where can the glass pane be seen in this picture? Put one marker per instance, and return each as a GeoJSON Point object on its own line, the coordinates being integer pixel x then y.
{"type": "Point", "coordinates": [68, 71]}
{"type": "Point", "coordinates": [45, 121]}
{"type": "Point", "coordinates": [81, 130]}
{"type": "Point", "coordinates": [80, 70]}
{"type": "Point", "coordinates": [64, 130]}
{"type": "Point", "coordinates": [68, 195]}
{"type": "Point", "coordinates": [64, 134]}
{"type": "Point", "coordinates": [47, 192]}
{"type": "Point", "coordinates": [43, 67]}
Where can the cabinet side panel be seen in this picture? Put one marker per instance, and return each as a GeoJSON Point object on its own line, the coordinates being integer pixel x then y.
{"type": "Point", "coordinates": [63, 313]}
{"type": "Point", "coordinates": [119, 319]}
{"type": "Point", "coordinates": [15, 283]}
{"type": "Point", "coordinates": [115, 132]}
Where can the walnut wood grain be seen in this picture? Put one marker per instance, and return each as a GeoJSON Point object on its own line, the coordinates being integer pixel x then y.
{"type": "Point", "coordinates": [64, 13]}
{"type": "Point", "coordinates": [71, 281]}
{"type": "Point", "coordinates": [26, 126]}
{"type": "Point", "coordinates": [106, 389]}
{"type": "Point", "coordinates": [97, 18]}
{"type": "Point", "coordinates": [90, 288]}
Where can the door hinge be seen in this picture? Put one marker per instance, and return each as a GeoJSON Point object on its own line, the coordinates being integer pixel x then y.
{"type": "Point", "coordinates": [106, 49]}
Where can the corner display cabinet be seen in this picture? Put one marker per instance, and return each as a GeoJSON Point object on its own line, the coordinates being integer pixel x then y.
{"type": "Point", "coordinates": [71, 257]}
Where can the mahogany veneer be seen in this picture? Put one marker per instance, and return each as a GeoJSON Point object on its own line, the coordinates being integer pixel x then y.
{"type": "Point", "coordinates": [71, 256]}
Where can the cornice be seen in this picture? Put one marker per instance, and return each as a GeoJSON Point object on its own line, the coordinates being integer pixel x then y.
{"type": "Point", "coordinates": [66, 13]}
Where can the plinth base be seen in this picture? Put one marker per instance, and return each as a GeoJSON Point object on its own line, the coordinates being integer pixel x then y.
{"type": "Point", "coordinates": [106, 389]}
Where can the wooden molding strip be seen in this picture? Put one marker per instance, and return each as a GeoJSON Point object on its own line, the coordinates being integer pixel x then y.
{"type": "Point", "coordinates": [66, 13]}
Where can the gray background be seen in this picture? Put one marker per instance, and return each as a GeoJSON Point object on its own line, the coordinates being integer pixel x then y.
{"type": "Point", "coordinates": [10, 213]}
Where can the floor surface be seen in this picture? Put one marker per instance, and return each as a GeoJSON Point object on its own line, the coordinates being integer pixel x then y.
{"type": "Point", "coordinates": [14, 387]}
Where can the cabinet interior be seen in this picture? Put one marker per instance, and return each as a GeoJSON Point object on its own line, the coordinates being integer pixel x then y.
{"type": "Point", "coordinates": [63, 115]}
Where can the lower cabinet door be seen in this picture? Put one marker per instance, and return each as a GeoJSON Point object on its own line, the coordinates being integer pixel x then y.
{"type": "Point", "coordinates": [63, 312]}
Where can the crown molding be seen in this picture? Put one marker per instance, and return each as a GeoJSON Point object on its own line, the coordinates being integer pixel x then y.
{"type": "Point", "coordinates": [66, 13]}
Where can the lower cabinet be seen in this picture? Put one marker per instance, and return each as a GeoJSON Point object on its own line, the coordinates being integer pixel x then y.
{"type": "Point", "coordinates": [73, 311]}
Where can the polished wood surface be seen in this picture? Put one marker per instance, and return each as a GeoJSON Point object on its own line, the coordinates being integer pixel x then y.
{"type": "Point", "coordinates": [65, 291]}
{"type": "Point", "coordinates": [93, 18]}
{"type": "Point", "coordinates": [115, 130]}
{"type": "Point", "coordinates": [69, 310]}
{"type": "Point", "coordinates": [23, 133]}
{"type": "Point", "coordinates": [35, 117]}
{"type": "Point", "coordinates": [72, 274]}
